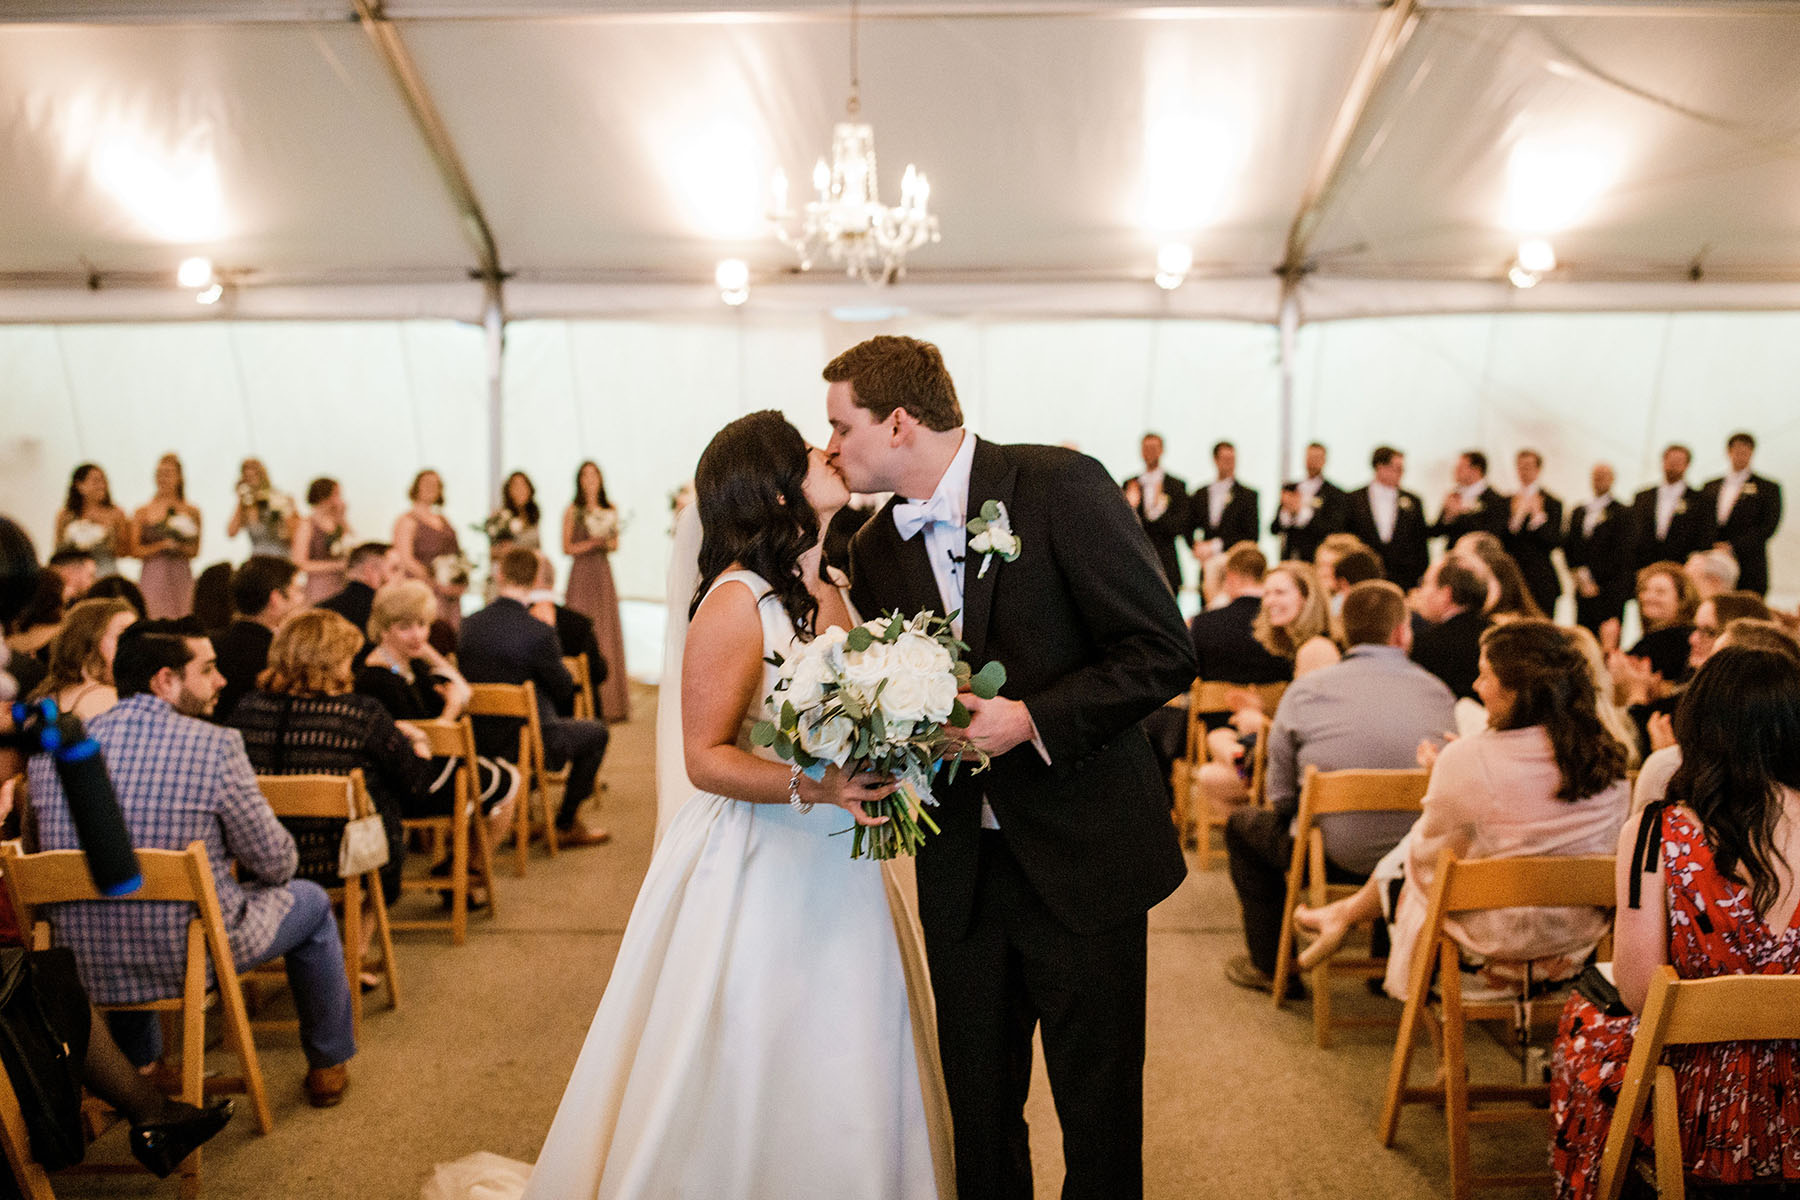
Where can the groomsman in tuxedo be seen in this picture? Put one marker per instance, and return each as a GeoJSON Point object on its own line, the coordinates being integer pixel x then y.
{"type": "Point", "coordinates": [1747, 509]}
{"type": "Point", "coordinates": [1033, 897]}
{"type": "Point", "coordinates": [1391, 521]}
{"type": "Point", "coordinates": [1534, 528]}
{"type": "Point", "coordinates": [1600, 553]}
{"type": "Point", "coordinates": [1226, 512]}
{"type": "Point", "coordinates": [1472, 505]}
{"type": "Point", "coordinates": [1161, 503]}
{"type": "Point", "coordinates": [1673, 520]}
{"type": "Point", "coordinates": [1311, 510]}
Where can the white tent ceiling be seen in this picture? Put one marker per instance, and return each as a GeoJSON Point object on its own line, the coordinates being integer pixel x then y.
{"type": "Point", "coordinates": [1390, 157]}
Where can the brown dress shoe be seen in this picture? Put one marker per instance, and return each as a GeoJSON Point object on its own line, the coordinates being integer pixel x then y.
{"type": "Point", "coordinates": [581, 835]}
{"type": "Point", "coordinates": [325, 1086]}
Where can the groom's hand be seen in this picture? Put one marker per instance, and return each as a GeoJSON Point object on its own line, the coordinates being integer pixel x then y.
{"type": "Point", "coordinates": [997, 725]}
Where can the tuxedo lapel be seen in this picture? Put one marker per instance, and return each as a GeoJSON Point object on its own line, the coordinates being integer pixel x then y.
{"type": "Point", "coordinates": [914, 586]}
{"type": "Point", "coordinates": [991, 477]}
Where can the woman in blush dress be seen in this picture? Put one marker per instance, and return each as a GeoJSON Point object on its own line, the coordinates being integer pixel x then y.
{"type": "Point", "coordinates": [262, 512]}
{"type": "Point", "coordinates": [590, 533]}
{"type": "Point", "coordinates": [166, 534]}
{"type": "Point", "coordinates": [91, 523]}
{"type": "Point", "coordinates": [427, 546]}
{"type": "Point", "coordinates": [514, 523]}
{"type": "Point", "coordinates": [321, 545]}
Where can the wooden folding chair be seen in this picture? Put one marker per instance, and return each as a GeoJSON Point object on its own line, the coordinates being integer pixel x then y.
{"type": "Point", "coordinates": [454, 740]}
{"type": "Point", "coordinates": [584, 686]}
{"type": "Point", "coordinates": [334, 797]}
{"type": "Point", "coordinates": [1209, 696]}
{"type": "Point", "coordinates": [1688, 1012]}
{"type": "Point", "coordinates": [1465, 885]}
{"type": "Point", "coordinates": [170, 876]}
{"type": "Point", "coordinates": [1323, 793]}
{"type": "Point", "coordinates": [518, 701]}
{"type": "Point", "coordinates": [28, 1174]}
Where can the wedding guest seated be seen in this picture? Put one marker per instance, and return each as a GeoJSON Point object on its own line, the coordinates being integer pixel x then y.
{"type": "Point", "coordinates": [263, 592]}
{"type": "Point", "coordinates": [80, 674]}
{"type": "Point", "coordinates": [370, 566]}
{"type": "Point", "coordinates": [304, 719]}
{"type": "Point", "coordinates": [1706, 886]}
{"type": "Point", "coordinates": [1224, 638]}
{"type": "Point", "coordinates": [117, 587]}
{"type": "Point", "coordinates": [212, 598]}
{"type": "Point", "coordinates": [1666, 604]}
{"type": "Point", "coordinates": [1711, 572]}
{"type": "Point", "coordinates": [1746, 633]}
{"type": "Point", "coordinates": [1545, 778]}
{"type": "Point", "coordinates": [1326, 721]}
{"type": "Point", "coordinates": [574, 632]}
{"type": "Point", "coordinates": [77, 570]}
{"type": "Point", "coordinates": [1332, 551]}
{"type": "Point", "coordinates": [181, 779]}
{"type": "Point", "coordinates": [1647, 696]}
{"type": "Point", "coordinates": [30, 633]}
{"type": "Point", "coordinates": [1508, 595]}
{"type": "Point", "coordinates": [504, 643]}
{"type": "Point", "coordinates": [413, 682]}
{"type": "Point", "coordinates": [1292, 625]}
{"type": "Point", "coordinates": [1447, 640]}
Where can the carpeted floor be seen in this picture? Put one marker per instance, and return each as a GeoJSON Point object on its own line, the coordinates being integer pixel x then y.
{"type": "Point", "coordinates": [1238, 1101]}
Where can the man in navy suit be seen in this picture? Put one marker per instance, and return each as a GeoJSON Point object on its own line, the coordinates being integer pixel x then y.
{"type": "Point", "coordinates": [504, 643]}
{"type": "Point", "coordinates": [1747, 509]}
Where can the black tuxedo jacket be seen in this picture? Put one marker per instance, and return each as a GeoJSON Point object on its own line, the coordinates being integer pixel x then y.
{"type": "Point", "coordinates": [1092, 642]}
{"type": "Point", "coordinates": [1226, 649]}
{"type": "Point", "coordinates": [1166, 530]}
{"type": "Point", "coordinates": [1531, 548]}
{"type": "Point", "coordinates": [1691, 529]}
{"type": "Point", "coordinates": [354, 602]}
{"type": "Point", "coordinates": [1748, 527]}
{"type": "Point", "coordinates": [1331, 514]}
{"type": "Point", "coordinates": [575, 637]}
{"type": "Point", "coordinates": [1451, 650]}
{"type": "Point", "coordinates": [1609, 556]}
{"type": "Point", "coordinates": [1238, 520]}
{"type": "Point", "coordinates": [504, 643]}
{"type": "Point", "coordinates": [1404, 558]}
{"type": "Point", "coordinates": [1491, 514]}
{"type": "Point", "coordinates": [243, 651]}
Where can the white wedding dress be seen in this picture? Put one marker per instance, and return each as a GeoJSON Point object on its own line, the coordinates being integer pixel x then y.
{"type": "Point", "coordinates": [767, 1031]}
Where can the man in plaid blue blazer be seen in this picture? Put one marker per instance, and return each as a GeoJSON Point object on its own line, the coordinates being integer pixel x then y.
{"type": "Point", "coordinates": [180, 779]}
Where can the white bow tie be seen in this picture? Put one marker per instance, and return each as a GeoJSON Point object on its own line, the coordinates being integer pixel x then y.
{"type": "Point", "coordinates": [915, 515]}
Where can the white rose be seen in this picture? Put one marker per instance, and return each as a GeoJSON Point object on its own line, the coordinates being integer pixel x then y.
{"type": "Point", "coordinates": [1006, 544]}
{"type": "Point", "coordinates": [806, 686]}
{"type": "Point", "coordinates": [940, 697]}
{"type": "Point", "coordinates": [916, 652]}
{"type": "Point", "coordinates": [904, 698]}
{"type": "Point", "coordinates": [865, 669]}
{"type": "Point", "coordinates": [829, 740]}
{"type": "Point", "coordinates": [983, 542]}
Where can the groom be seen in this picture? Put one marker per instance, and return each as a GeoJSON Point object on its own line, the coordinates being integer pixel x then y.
{"type": "Point", "coordinates": [1034, 896]}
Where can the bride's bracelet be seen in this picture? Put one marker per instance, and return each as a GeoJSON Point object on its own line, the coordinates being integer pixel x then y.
{"type": "Point", "coordinates": [794, 800]}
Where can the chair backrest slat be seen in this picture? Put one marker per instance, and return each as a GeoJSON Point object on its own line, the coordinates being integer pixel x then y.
{"type": "Point", "coordinates": [1731, 1008]}
{"type": "Point", "coordinates": [1363, 791]}
{"type": "Point", "coordinates": [1553, 881]}
{"type": "Point", "coordinates": [313, 795]}
{"type": "Point", "coordinates": [500, 700]}
{"type": "Point", "coordinates": [58, 876]}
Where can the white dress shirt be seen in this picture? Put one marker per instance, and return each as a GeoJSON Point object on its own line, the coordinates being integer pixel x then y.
{"type": "Point", "coordinates": [1729, 490]}
{"type": "Point", "coordinates": [1668, 497]}
{"type": "Point", "coordinates": [1521, 505]}
{"type": "Point", "coordinates": [1309, 491]}
{"type": "Point", "coordinates": [1593, 511]}
{"type": "Point", "coordinates": [1155, 502]}
{"type": "Point", "coordinates": [1218, 495]}
{"type": "Point", "coordinates": [1384, 506]}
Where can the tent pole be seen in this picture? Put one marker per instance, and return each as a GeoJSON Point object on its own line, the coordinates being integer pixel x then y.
{"type": "Point", "coordinates": [493, 324]}
{"type": "Point", "coordinates": [1288, 333]}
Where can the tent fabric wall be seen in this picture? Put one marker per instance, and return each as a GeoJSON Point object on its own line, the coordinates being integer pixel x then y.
{"type": "Point", "coordinates": [372, 402]}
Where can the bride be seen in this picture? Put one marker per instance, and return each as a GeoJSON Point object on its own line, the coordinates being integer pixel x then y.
{"type": "Point", "coordinates": [766, 1030]}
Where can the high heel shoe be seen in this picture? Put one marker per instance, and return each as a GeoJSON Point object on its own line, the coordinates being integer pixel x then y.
{"type": "Point", "coordinates": [161, 1146]}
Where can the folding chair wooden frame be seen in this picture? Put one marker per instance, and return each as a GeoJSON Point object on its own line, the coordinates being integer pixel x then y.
{"type": "Point", "coordinates": [583, 676]}
{"type": "Point", "coordinates": [328, 797]}
{"type": "Point", "coordinates": [454, 740]}
{"type": "Point", "coordinates": [1688, 1012]}
{"type": "Point", "coordinates": [1211, 696]}
{"type": "Point", "coordinates": [1325, 793]}
{"type": "Point", "coordinates": [170, 876]}
{"type": "Point", "coordinates": [1464, 885]}
{"type": "Point", "coordinates": [28, 1174]}
{"type": "Point", "coordinates": [519, 702]}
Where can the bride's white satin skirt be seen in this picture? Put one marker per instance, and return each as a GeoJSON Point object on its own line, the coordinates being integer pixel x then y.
{"type": "Point", "coordinates": [767, 1032]}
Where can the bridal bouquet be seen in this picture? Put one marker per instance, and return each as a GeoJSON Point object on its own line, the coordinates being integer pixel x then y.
{"type": "Point", "coordinates": [881, 698]}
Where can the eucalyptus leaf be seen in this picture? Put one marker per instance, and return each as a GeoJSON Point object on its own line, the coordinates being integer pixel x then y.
{"type": "Point", "coordinates": [784, 746]}
{"type": "Point", "coordinates": [988, 681]}
{"type": "Point", "coordinates": [959, 716]}
{"type": "Point", "coordinates": [762, 734]}
{"type": "Point", "coordinates": [990, 510]}
{"type": "Point", "coordinates": [858, 639]}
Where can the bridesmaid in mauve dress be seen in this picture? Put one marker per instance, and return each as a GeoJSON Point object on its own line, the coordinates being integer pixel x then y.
{"type": "Point", "coordinates": [91, 523]}
{"type": "Point", "coordinates": [322, 540]}
{"type": "Point", "coordinates": [167, 536]}
{"type": "Point", "coordinates": [590, 533]}
{"type": "Point", "coordinates": [422, 535]}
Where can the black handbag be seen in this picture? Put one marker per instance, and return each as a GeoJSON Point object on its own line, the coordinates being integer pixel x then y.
{"type": "Point", "coordinates": [45, 1071]}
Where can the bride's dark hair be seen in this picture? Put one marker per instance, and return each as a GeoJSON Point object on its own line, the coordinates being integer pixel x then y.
{"type": "Point", "coordinates": [753, 510]}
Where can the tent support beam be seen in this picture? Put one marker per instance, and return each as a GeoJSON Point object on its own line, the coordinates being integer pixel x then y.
{"type": "Point", "coordinates": [1392, 32]}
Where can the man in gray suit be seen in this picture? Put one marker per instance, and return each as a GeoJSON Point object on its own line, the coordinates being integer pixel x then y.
{"type": "Point", "coordinates": [1329, 720]}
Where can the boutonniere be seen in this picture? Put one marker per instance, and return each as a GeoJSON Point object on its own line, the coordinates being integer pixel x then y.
{"type": "Point", "coordinates": [1406, 502]}
{"type": "Point", "coordinates": [1680, 507]}
{"type": "Point", "coordinates": [1749, 490]}
{"type": "Point", "coordinates": [1316, 502]}
{"type": "Point", "coordinates": [991, 533]}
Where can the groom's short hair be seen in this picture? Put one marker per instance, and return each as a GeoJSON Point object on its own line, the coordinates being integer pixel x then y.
{"type": "Point", "coordinates": [890, 372]}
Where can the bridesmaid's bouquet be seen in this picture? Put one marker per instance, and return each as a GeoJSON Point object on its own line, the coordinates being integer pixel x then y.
{"type": "Point", "coordinates": [84, 534]}
{"type": "Point", "coordinates": [881, 697]}
{"type": "Point", "coordinates": [601, 523]}
{"type": "Point", "coordinates": [183, 526]}
{"type": "Point", "coordinates": [452, 570]}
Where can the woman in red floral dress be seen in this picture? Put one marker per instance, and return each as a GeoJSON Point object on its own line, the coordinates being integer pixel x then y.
{"type": "Point", "coordinates": [1725, 844]}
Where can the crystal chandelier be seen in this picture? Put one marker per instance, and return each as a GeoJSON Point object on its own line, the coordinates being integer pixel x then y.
{"type": "Point", "coordinates": [847, 221]}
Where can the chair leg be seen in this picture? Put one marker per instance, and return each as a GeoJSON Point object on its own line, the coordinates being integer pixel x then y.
{"type": "Point", "coordinates": [484, 856]}
{"type": "Point", "coordinates": [193, 1047]}
{"type": "Point", "coordinates": [353, 950]}
{"type": "Point", "coordinates": [384, 933]}
{"type": "Point", "coordinates": [522, 815]}
{"type": "Point", "coordinates": [459, 872]}
{"type": "Point", "coordinates": [1456, 1073]}
{"type": "Point", "coordinates": [32, 1180]}
{"type": "Point", "coordinates": [1401, 1064]}
{"type": "Point", "coordinates": [1671, 1184]}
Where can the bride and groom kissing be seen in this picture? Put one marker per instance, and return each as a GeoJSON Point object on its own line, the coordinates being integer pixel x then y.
{"type": "Point", "coordinates": [768, 1028]}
